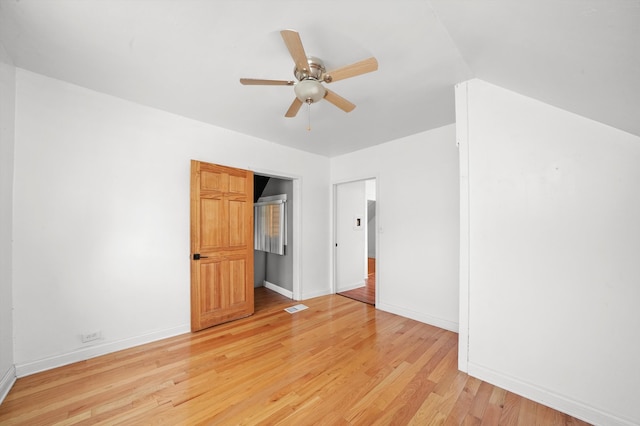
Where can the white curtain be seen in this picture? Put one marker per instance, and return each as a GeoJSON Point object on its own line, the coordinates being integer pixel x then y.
{"type": "Point", "coordinates": [270, 233]}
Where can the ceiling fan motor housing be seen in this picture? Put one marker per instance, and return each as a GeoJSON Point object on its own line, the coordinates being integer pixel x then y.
{"type": "Point", "coordinates": [315, 70]}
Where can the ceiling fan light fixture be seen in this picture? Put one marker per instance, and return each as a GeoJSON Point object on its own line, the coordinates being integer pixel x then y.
{"type": "Point", "coordinates": [309, 90]}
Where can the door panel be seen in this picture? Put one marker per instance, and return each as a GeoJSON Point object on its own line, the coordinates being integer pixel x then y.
{"type": "Point", "coordinates": [211, 291]}
{"type": "Point", "coordinates": [210, 180]}
{"type": "Point", "coordinates": [351, 258]}
{"type": "Point", "coordinates": [237, 184]}
{"type": "Point", "coordinates": [222, 238]}
{"type": "Point", "coordinates": [212, 214]}
{"type": "Point", "coordinates": [237, 232]}
{"type": "Point", "coordinates": [236, 270]}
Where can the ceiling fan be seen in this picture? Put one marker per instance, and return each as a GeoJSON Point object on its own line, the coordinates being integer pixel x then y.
{"type": "Point", "coordinates": [311, 73]}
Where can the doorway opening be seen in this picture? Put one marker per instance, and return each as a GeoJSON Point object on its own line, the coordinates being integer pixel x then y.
{"type": "Point", "coordinates": [355, 240]}
{"type": "Point", "coordinates": [274, 269]}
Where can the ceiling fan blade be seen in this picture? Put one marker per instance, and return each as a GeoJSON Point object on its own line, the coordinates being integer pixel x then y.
{"type": "Point", "coordinates": [294, 44]}
{"type": "Point", "coordinates": [339, 101]}
{"type": "Point", "coordinates": [257, 81]}
{"type": "Point", "coordinates": [362, 67]}
{"type": "Point", "coordinates": [294, 108]}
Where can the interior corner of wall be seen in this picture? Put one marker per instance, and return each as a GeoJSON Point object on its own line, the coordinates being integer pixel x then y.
{"type": "Point", "coordinates": [6, 382]}
{"type": "Point", "coordinates": [462, 141]}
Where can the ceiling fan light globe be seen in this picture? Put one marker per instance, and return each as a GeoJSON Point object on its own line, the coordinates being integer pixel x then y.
{"type": "Point", "coordinates": [309, 91]}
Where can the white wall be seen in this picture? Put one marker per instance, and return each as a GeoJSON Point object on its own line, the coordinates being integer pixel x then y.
{"type": "Point", "coordinates": [554, 249]}
{"type": "Point", "coordinates": [7, 113]}
{"type": "Point", "coordinates": [351, 261]}
{"type": "Point", "coordinates": [101, 225]}
{"type": "Point", "coordinates": [418, 231]}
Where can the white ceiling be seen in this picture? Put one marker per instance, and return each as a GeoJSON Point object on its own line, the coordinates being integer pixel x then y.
{"type": "Point", "coordinates": [186, 57]}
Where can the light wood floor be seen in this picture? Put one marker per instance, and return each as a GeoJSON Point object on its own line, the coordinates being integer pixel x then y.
{"type": "Point", "coordinates": [339, 362]}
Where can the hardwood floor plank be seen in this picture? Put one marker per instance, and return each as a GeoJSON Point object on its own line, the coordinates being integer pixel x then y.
{"type": "Point", "coordinates": [481, 400]}
{"type": "Point", "coordinates": [527, 415]}
{"type": "Point", "coordinates": [491, 415]}
{"type": "Point", "coordinates": [449, 390]}
{"type": "Point", "coordinates": [470, 420]}
{"type": "Point", "coordinates": [405, 405]}
{"type": "Point", "coordinates": [427, 413]}
{"type": "Point", "coordinates": [381, 393]}
{"type": "Point", "coordinates": [339, 362]}
{"type": "Point", "coordinates": [460, 409]}
{"type": "Point", "coordinates": [308, 412]}
{"type": "Point", "coordinates": [464, 402]}
{"type": "Point", "coordinates": [511, 409]}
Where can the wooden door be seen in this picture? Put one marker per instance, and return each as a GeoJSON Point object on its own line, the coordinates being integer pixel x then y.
{"type": "Point", "coordinates": [221, 244]}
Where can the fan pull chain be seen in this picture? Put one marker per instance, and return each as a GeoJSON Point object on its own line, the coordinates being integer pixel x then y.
{"type": "Point", "coordinates": [309, 114]}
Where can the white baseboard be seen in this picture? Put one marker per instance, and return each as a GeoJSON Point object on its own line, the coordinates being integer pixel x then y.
{"type": "Point", "coordinates": [314, 294]}
{"type": "Point", "coordinates": [352, 286]}
{"type": "Point", "coordinates": [278, 289]}
{"type": "Point", "coordinates": [550, 399]}
{"type": "Point", "coordinates": [6, 382]}
{"type": "Point", "coordinates": [28, 368]}
{"type": "Point", "coordinates": [419, 316]}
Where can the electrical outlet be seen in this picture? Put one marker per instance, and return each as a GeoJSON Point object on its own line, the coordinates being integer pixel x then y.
{"type": "Point", "coordinates": [91, 336]}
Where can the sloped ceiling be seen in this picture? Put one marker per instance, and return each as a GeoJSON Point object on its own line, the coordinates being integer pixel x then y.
{"type": "Point", "coordinates": [186, 57]}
